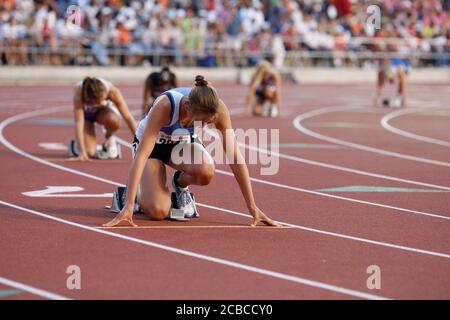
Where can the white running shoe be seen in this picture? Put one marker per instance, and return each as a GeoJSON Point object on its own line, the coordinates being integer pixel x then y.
{"type": "Point", "coordinates": [111, 148]}
{"type": "Point", "coordinates": [184, 199]}
{"type": "Point", "coordinates": [273, 111]}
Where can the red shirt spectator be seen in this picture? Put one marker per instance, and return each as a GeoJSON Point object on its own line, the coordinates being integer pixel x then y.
{"type": "Point", "coordinates": [343, 7]}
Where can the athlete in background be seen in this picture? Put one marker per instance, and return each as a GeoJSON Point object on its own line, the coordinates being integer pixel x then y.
{"type": "Point", "coordinates": [155, 84]}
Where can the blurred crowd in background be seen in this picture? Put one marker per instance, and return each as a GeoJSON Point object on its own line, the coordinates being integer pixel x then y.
{"type": "Point", "coordinates": [213, 33]}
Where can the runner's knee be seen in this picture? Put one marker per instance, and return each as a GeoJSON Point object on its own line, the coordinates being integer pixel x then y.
{"type": "Point", "coordinates": [157, 211]}
{"type": "Point", "coordinates": [205, 175]}
{"type": "Point", "coordinates": [112, 122]}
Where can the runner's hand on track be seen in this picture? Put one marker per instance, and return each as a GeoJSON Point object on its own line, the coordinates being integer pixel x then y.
{"type": "Point", "coordinates": [124, 215]}
{"type": "Point", "coordinates": [82, 158]}
{"type": "Point", "coordinates": [259, 216]}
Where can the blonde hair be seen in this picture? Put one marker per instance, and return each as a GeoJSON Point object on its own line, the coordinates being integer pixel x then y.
{"type": "Point", "coordinates": [92, 89]}
{"type": "Point", "coordinates": [203, 97]}
{"type": "Point", "coordinates": [263, 67]}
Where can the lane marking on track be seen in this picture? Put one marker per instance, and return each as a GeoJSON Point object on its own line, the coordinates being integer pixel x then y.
{"type": "Point", "coordinates": [195, 227]}
{"type": "Point", "coordinates": [339, 235]}
{"type": "Point", "coordinates": [8, 293]}
{"type": "Point", "coordinates": [385, 124]}
{"type": "Point", "coordinates": [229, 263]}
{"type": "Point", "coordinates": [58, 146]}
{"type": "Point", "coordinates": [345, 169]}
{"type": "Point", "coordinates": [15, 149]}
{"type": "Point", "coordinates": [377, 189]}
{"type": "Point", "coordinates": [297, 122]}
{"type": "Point", "coordinates": [339, 168]}
{"type": "Point", "coordinates": [294, 145]}
{"type": "Point", "coordinates": [60, 192]}
{"type": "Point", "coordinates": [30, 289]}
{"type": "Point", "coordinates": [342, 125]}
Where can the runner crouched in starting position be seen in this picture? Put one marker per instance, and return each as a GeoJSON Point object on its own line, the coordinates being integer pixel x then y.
{"type": "Point", "coordinates": [265, 85]}
{"type": "Point", "coordinates": [178, 109]}
{"type": "Point", "coordinates": [97, 100]}
{"type": "Point", "coordinates": [155, 84]}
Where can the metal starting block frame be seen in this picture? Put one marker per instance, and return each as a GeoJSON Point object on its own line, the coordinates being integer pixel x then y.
{"type": "Point", "coordinates": [177, 215]}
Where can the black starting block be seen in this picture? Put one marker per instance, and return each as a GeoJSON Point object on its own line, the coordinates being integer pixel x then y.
{"type": "Point", "coordinates": [72, 150]}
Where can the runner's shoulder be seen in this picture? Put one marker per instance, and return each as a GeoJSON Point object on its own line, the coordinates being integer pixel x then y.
{"type": "Point", "coordinates": [162, 107]}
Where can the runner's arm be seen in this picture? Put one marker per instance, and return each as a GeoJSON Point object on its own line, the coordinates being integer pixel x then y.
{"type": "Point", "coordinates": [160, 114]}
{"type": "Point", "coordinates": [147, 95]}
{"type": "Point", "coordinates": [278, 93]}
{"type": "Point", "coordinates": [238, 166]}
{"type": "Point", "coordinates": [250, 96]}
{"type": "Point", "coordinates": [116, 96]}
{"type": "Point", "coordinates": [78, 110]}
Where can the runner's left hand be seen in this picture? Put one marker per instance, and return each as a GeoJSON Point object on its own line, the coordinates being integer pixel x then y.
{"type": "Point", "coordinates": [259, 216]}
{"type": "Point", "coordinates": [124, 215]}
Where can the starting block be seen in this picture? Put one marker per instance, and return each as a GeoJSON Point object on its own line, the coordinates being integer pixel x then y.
{"type": "Point", "coordinates": [176, 213]}
{"type": "Point", "coordinates": [100, 153]}
{"type": "Point", "coordinates": [119, 199]}
{"type": "Point", "coordinates": [269, 110]}
{"type": "Point", "coordinates": [392, 103]}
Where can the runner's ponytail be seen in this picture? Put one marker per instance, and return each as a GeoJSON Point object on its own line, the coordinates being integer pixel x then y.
{"type": "Point", "coordinates": [203, 97]}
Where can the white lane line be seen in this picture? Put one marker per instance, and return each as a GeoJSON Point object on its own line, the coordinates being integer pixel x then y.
{"type": "Point", "coordinates": [385, 244]}
{"type": "Point", "coordinates": [385, 124]}
{"type": "Point", "coordinates": [13, 148]}
{"type": "Point", "coordinates": [297, 122]}
{"type": "Point", "coordinates": [30, 289]}
{"type": "Point", "coordinates": [340, 168]}
{"type": "Point", "coordinates": [338, 235]}
{"type": "Point", "coordinates": [345, 169]}
{"type": "Point", "coordinates": [63, 192]}
{"type": "Point", "coordinates": [375, 204]}
{"type": "Point", "coordinates": [236, 265]}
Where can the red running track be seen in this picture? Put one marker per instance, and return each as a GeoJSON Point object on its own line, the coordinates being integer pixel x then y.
{"type": "Point", "coordinates": [332, 238]}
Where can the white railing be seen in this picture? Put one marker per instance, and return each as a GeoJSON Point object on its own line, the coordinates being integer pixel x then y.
{"type": "Point", "coordinates": [362, 52]}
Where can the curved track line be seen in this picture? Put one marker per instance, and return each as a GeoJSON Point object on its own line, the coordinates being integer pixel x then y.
{"type": "Point", "coordinates": [236, 265]}
{"type": "Point", "coordinates": [385, 124]}
{"type": "Point", "coordinates": [13, 148]}
{"type": "Point", "coordinates": [340, 168]}
{"type": "Point", "coordinates": [32, 290]}
{"type": "Point", "coordinates": [297, 122]}
{"type": "Point", "coordinates": [346, 169]}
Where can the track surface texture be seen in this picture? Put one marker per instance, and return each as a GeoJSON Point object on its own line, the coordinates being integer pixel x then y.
{"type": "Point", "coordinates": [358, 188]}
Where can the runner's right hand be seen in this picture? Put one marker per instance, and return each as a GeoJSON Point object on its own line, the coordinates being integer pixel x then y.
{"type": "Point", "coordinates": [82, 158]}
{"type": "Point", "coordinates": [126, 214]}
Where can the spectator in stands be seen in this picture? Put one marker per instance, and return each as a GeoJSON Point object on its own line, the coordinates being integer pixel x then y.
{"type": "Point", "coordinates": [184, 25]}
